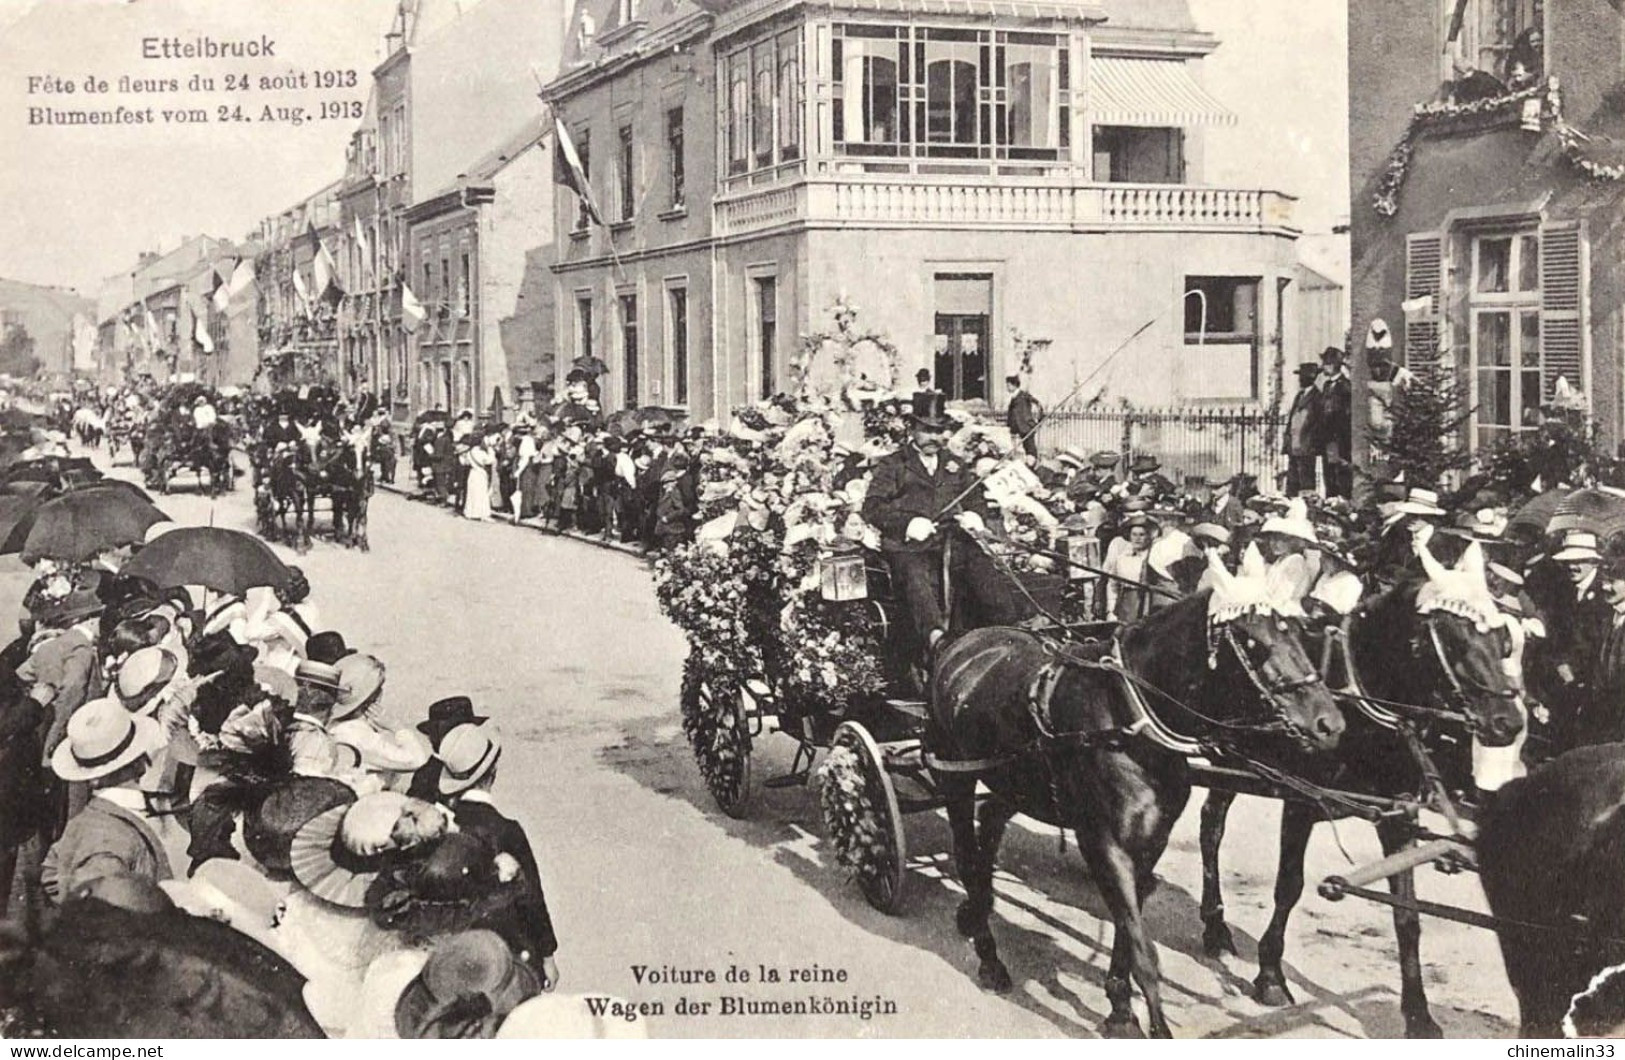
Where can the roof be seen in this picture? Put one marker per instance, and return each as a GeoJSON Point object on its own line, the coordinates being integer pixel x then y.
{"type": "Point", "coordinates": [532, 131]}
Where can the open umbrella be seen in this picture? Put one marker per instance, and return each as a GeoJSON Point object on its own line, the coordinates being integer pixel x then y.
{"type": "Point", "coordinates": [1601, 511]}
{"type": "Point", "coordinates": [227, 561]}
{"type": "Point", "coordinates": [16, 519]}
{"type": "Point", "coordinates": [78, 526]}
{"type": "Point", "coordinates": [18, 419]}
{"type": "Point", "coordinates": [112, 484]}
{"type": "Point", "coordinates": [1530, 521]}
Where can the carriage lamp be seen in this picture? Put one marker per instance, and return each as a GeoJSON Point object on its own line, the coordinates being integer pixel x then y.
{"type": "Point", "coordinates": [1082, 549]}
{"type": "Point", "coordinates": [842, 576]}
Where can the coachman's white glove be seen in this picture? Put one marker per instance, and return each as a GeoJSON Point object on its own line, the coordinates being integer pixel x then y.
{"type": "Point", "coordinates": [919, 529]}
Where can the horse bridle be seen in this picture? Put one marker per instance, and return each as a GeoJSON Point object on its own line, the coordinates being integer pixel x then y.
{"type": "Point", "coordinates": [1274, 693]}
{"type": "Point", "coordinates": [1459, 697]}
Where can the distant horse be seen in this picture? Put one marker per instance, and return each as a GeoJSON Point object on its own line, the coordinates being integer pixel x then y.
{"type": "Point", "coordinates": [1440, 661]}
{"type": "Point", "coordinates": [282, 489]}
{"type": "Point", "coordinates": [1551, 856]}
{"type": "Point", "coordinates": [1052, 726]}
{"type": "Point", "coordinates": [338, 470]}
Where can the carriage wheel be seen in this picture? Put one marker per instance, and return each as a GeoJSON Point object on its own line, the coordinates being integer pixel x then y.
{"type": "Point", "coordinates": [714, 719]}
{"type": "Point", "coordinates": [862, 817]}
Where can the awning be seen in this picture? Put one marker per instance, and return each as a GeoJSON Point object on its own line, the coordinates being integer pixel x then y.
{"type": "Point", "coordinates": [1154, 92]}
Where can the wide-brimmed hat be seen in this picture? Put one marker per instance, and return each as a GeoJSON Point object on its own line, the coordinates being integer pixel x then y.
{"type": "Point", "coordinates": [320, 674]}
{"type": "Point", "coordinates": [81, 603]}
{"type": "Point", "coordinates": [1505, 573]}
{"type": "Point", "coordinates": [362, 678]}
{"type": "Point", "coordinates": [143, 675]}
{"type": "Point", "coordinates": [1072, 456]}
{"type": "Point", "coordinates": [1333, 351]}
{"type": "Point", "coordinates": [324, 855]}
{"type": "Point", "coordinates": [1419, 501]}
{"type": "Point", "coordinates": [1211, 531]}
{"type": "Point", "coordinates": [929, 409]}
{"type": "Point", "coordinates": [1104, 458]}
{"type": "Point", "coordinates": [1307, 369]}
{"type": "Point", "coordinates": [1579, 546]}
{"type": "Point", "coordinates": [468, 986]}
{"type": "Point", "coordinates": [1294, 522]}
{"type": "Point", "coordinates": [1482, 524]}
{"type": "Point", "coordinates": [1145, 463]}
{"type": "Point", "coordinates": [102, 738]}
{"type": "Point", "coordinates": [1139, 519]}
{"type": "Point", "coordinates": [468, 753]}
{"type": "Point", "coordinates": [294, 801]}
{"type": "Point", "coordinates": [327, 647]}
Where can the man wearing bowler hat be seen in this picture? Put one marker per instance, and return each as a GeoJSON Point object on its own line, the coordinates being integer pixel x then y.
{"type": "Point", "coordinates": [1304, 436]}
{"type": "Point", "coordinates": [444, 716]}
{"type": "Point", "coordinates": [926, 501]}
{"type": "Point", "coordinates": [1337, 400]}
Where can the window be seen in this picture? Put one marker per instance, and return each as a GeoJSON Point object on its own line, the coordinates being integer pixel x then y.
{"type": "Point", "coordinates": [444, 303]}
{"type": "Point", "coordinates": [428, 285]}
{"type": "Point", "coordinates": [790, 124]}
{"type": "Point", "coordinates": [1503, 39]}
{"type": "Point", "coordinates": [964, 313]}
{"type": "Point", "coordinates": [1126, 154]}
{"type": "Point", "coordinates": [629, 349]}
{"type": "Point", "coordinates": [765, 308]}
{"type": "Point", "coordinates": [465, 289]}
{"type": "Point", "coordinates": [677, 341]}
{"type": "Point", "coordinates": [1221, 338]}
{"type": "Point", "coordinates": [583, 215]}
{"type": "Point", "coordinates": [674, 154]}
{"type": "Point", "coordinates": [761, 105]}
{"type": "Point", "coordinates": [626, 176]}
{"type": "Point", "coordinates": [1504, 305]}
{"type": "Point", "coordinates": [583, 325]}
{"type": "Point", "coordinates": [738, 112]}
{"type": "Point", "coordinates": [950, 93]}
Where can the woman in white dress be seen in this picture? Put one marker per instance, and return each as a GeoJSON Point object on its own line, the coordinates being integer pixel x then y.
{"type": "Point", "coordinates": [481, 460]}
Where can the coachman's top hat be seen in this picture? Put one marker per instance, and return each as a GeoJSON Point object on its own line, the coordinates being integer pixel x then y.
{"type": "Point", "coordinates": [929, 410]}
{"type": "Point", "coordinates": [445, 715]}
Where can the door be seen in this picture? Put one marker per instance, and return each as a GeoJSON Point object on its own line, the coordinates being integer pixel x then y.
{"type": "Point", "coordinates": [961, 355]}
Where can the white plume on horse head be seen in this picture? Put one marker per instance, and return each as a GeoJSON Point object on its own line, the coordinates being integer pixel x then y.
{"type": "Point", "coordinates": [1462, 589]}
{"type": "Point", "coordinates": [1251, 591]}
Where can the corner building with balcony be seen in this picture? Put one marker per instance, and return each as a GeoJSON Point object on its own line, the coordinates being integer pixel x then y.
{"type": "Point", "coordinates": [959, 170]}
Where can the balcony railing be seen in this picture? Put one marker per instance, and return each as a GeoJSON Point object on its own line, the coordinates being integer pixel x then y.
{"type": "Point", "coordinates": [894, 202]}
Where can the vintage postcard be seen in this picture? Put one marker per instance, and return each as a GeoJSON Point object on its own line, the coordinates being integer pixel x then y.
{"type": "Point", "coordinates": [786, 519]}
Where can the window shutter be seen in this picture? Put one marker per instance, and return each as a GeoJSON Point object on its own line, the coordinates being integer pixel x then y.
{"type": "Point", "coordinates": [1423, 269]}
{"type": "Point", "coordinates": [1562, 265]}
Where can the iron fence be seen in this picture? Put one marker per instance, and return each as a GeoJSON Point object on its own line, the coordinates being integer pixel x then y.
{"type": "Point", "coordinates": [1189, 442]}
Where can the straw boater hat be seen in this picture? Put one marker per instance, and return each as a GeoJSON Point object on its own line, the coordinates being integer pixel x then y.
{"type": "Point", "coordinates": [321, 675]}
{"type": "Point", "coordinates": [1579, 546]}
{"type": "Point", "coordinates": [142, 676]}
{"type": "Point", "coordinates": [103, 738]}
{"type": "Point", "coordinates": [362, 679]}
{"type": "Point", "coordinates": [1419, 501]}
{"type": "Point", "coordinates": [1211, 532]}
{"type": "Point", "coordinates": [1072, 456]}
{"type": "Point", "coordinates": [468, 752]}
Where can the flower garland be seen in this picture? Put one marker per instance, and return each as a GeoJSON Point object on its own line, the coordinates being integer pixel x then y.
{"type": "Point", "coordinates": [852, 819]}
{"type": "Point", "coordinates": [1386, 199]}
{"type": "Point", "coordinates": [1573, 141]}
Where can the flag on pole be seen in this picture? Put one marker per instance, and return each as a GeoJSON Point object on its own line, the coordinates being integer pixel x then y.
{"type": "Point", "coordinates": [412, 311]}
{"type": "Point", "coordinates": [200, 332]}
{"type": "Point", "coordinates": [220, 294]}
{"type": "Point", "coordinates": [325, 270]}
{"type": "Point", "coordinates": [361, 244]}
{"type": "Point", "coordinates": [300, 289]}
{"type": "Point", "coordinates": [569, 171]}
{"type": "Point", "coordinates": [242, 278]}
{"type": "Point", "coordinates": [153, 338]}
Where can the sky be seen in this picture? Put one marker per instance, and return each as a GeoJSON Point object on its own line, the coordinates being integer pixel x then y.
{"type": "Point", "coordinates": [82, 203]}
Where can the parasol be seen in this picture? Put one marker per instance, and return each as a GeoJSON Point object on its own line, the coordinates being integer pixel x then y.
{"type": "Point", "coordinates": [227, 561]}
{"type": "Point", "coordinates": [112, 484]}
{"type": "Point", "coordinates": [1532, 519]}
{"type": "Point", "coordinates": [16, 519]}
{"type": "Point", "coordinates": [1601, 511]}
{"type": "Point", "coordinates": [626, 421]}
{"type": "Point", "coordinates": [81, 525]}
{"type": "Point", "coordinates": [15, 419]}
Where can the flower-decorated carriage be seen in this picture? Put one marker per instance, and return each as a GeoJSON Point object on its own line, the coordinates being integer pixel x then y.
{"type": "Point", "coordinates": [788, 606]}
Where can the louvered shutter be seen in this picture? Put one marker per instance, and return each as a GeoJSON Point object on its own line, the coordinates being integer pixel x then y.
{"type": "Point", "coordinates": [1562, 268]}
{"type": "Point", "coordinates": [1423, 269]}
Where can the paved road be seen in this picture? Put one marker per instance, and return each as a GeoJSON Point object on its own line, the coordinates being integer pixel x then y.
{"type": "Point", "coordinates": [563, 645]}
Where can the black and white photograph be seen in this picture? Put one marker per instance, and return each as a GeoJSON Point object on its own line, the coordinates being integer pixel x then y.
{"type": "Point", "coordinates": [812, 519]}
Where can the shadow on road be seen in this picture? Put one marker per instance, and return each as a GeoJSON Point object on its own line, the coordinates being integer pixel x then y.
{"type": "Point", "coordinates": [1053, 929]}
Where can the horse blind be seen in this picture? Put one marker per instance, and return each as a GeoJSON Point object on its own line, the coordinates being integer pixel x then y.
{"type": "Point", "coordinates": [1423, 269]}
{"type": "Point", "coordinates": [1562, 269]}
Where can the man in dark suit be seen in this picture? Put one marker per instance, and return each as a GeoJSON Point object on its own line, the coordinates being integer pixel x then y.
{"type": "Point", "coordinates": [1337, 401]}
{"type": "Point", "coordinates": [469, 755]}
{"type": "Point", "coordinates": [914, 494]}
{"type": "Point", "coordinates": [1023, 415]}
{"type": "Point", "coordinates": [1304, 437]}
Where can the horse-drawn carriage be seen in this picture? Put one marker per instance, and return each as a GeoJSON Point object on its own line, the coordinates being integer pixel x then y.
{"type": "Point", "coordinates": [173, 443]}
{"type": "Point", "coordinates": [310, 462]}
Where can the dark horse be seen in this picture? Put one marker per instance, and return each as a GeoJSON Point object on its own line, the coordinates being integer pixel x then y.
{"type": "Point", "coordinates": [281, 488]}
{"type": "Point", "coordinates": [1052, 728]}
{"type": "Point", "coordinates": [1395, 656]}
{"type": "Point", "coordinates": [1551, 856]}
{"type": "Point", "coordinates": [339, 471]}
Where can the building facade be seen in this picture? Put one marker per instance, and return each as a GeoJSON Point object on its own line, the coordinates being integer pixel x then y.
{"type": "Point", "coordinates": [50, 316]}
{"type": "Point", "coordinates": [963, 171]}
{"type": "Point", "coordinates": [298, 326]}
{"type": "Point", "coordinates": [1487, 204]}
